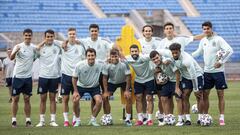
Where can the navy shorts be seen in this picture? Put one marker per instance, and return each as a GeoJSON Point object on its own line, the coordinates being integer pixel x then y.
{"type": "Point", "coordinates": [46, 85]}
{"type": "Point", "coordinates": [22, 85]}
{"type": "Point", "coordinates": [168, 89]}
{"type": "Point", "coordinates": [67, 86]}
{"type": "Point", "coordinates": [148, 87]}
{"type": "Point", "coordinates": [59, 79]}
{"type": "Point", "coordinates": [8, 82]}
{"type": "Point", "coordinates": [112, 87]}
{"type": "Point", "coordinates": [187, 84]}
{"type": "Point", "coordinates": [215, 79]}
{"type": "Point", "coordinates": [92, 91]}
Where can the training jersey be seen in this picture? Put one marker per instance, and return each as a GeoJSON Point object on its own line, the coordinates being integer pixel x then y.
{"type": "Point", "coordinates": [49, 61]}
{"type": "Point", "coordinates": [142, 68]}
{"type": "Point", "coordinates": [24, 60]}
{"type": "Point", "coordinates": [74, 54]}
{"type": "Point", "coordinates": [189, 68]}
{"type": "Point", "coordinates": [116, 73]}
{"type": "Point", "coordinates": [147, 47]}
{"type": "Point", "coordinates": [8, 66]}
{"type": "Point", "coordinates": [169, 70]}
{"type": "Point", "coordinates": [88, 76]}
{"type": "Point", "coordinates": [101, 45]}
{"type": "Point", "coordinates": [209, 46]}
{"type": "Point", "coordinates": [182, 40]}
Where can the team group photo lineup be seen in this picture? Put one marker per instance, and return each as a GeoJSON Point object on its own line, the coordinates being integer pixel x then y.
{"type": "Point", "coordinates": [151, 71]}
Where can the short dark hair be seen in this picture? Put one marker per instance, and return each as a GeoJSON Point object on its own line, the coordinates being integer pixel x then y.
{"type": "Point", "coordinates": [175, 46]}
{"type": "Point", "coordinates": [71, 29]}
{"type": "Point", "coordinates": [93, 26]}
{"type": "Point", "coordinates": [27, 31]}
{"type": "Point", "coordinates": [153, 54]}
{"type": "Point", "coordinates": [147, 26]}
{"type": "Point", "coordinates": [91, 50]}
{"type": "Point", "coordinates": [167, 24]}
{"type": "Point", "coordinates": [114, 51]}
{"type": "Point", "coordinates": [134, 46]}
{"type": "Point", "coordinates": [48, 31]}
{"type": "Point", "coordinates": [207, 23]}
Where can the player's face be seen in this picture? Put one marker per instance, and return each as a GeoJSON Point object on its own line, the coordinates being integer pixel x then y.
{"type": "Point", "coordinates": [91, 58]}
{"type": "Point", "coordinates": [114, 59]}
{"type": "Point", "coordinates": [94, 33]}
{"type": "Point", "coordinates": [175, 54]}
{"type": "Point", "coordinates": [49, 38]}
{"type": "Point", "coordinates": [27, 38]}
{"type": "Point", "coordinates": [157, 60]}
{"type": "Point", "coordinates": [71, 36]}
{"type": "Point", "coordinates": [168, 31]}
{"type": "Point", "coordinates": [207, 31]}
{"type": "Point", "coordinates": [147, 32]}
{"type": "Point", "coordinates": [134, 53]}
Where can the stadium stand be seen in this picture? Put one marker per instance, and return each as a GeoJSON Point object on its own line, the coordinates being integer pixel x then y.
{"type": "Point", "coordinates": [225, 18]}
{"type": "Point", "coordinates": [58, 15]}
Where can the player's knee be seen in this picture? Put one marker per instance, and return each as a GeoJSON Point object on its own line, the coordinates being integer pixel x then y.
{"type": "Point", "coordinates": [98, 101]}
{"type": "Point", "coordinates": [149, 98]}
{"type": "Point", "coordinates": [26, 99]}
{"type": "Point", "coordinates": [15, 99]}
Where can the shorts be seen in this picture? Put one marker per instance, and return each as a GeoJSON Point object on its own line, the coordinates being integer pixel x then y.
{"type": "Point", "coordinates": [22, 85]}
{"type": "Point", "coordinates": [148, 87]}
{"type": "Point", "coordinates": [168, 89]}
{"type": "Point", "coordinates": [9, 82]}
{"type": "Point", "coordinates": [67, 86]}
{"type": "Point", "coordinates": [92, 91]}
{"type": "Point", "coordinates": [46, 85]}
{"type": "Point", "coordinates": [215, 79]}
{"type": "Point", "coordinates": [112, 87]}
{"type": "Point", "coordinates": [187, 84]}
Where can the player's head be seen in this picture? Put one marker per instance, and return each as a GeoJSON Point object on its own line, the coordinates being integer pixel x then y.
{"type": "Point", "coordinates": [91, 56]}
{"type": "Point", "coordinates": [175, 48]}
{"type": "Point", "coordinates": [134, 51]}
{"type": "Point", "coordinates": [27, 35]}
{"type": "Point", "coordinates": [72, 34]}
{"type": "Point", "coordinates": [147, 31]}
{"type": "Point", "coordinates": [168, 29]}
{"type": "Point", "coordinates": [155, 57]}
{"type": "Point", "coordinates": [207, 28]}
{"type": "Point", "coordinates": [114, 56]}
{"type": "Point", "coordinates": [49, 36]}
{"type": "Point", "coordinates": [9, 51]}
{"type": "Point", "coordinates": [94, 31]}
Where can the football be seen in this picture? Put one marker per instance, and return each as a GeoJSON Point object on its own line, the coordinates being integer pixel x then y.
{"type": "Point", "coordinates": [170, 119]}
{"type": "Point", "coordinates": [161, 78]}
{"type": "Point", "coordinates": [106, 120]}
{"type": "Point", "coordinates": [220, 54]}
{"type": "Point", "coordinates": [194, 108]}
{"type": "Point", "coordinates": [206, 120]}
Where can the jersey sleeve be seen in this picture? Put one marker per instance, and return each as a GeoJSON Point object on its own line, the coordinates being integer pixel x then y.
{"type": "Point", "coordinates": [127, 69]}
{"type": "Point", "coordinates": [192, 71]}
{"type": "Point", "coordinates": [105, 70]}
{"type": "Point", "coordinates": [227, 48]}
{"type": "Point", "coordinates": [76, 71]}
{"type": "Point", "coordinates": [187, 40]}
{"type": "Point", "coordinates": [199, 51]}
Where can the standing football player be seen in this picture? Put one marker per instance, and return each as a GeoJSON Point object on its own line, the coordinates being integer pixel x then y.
{"type": "Point", "coordinates": [8, 66]}
{"type": "Point", "coordinates": [24, 55]}
{"type": "Point", "coordinates": [214, 66]}
{"type": "Point", "coordinates": [192, 79]}
{"type": "Point", "coordinates": [86, 80]}
{"type": "Point", "coordinates": [144, 83]}
{"type": "Point", "coordinates": [117, 74]}
{"type": "Point", "coordinates": [49, 71]}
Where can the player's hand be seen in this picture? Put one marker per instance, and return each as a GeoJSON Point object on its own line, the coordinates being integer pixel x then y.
{"type": "Point", "coordinates": [17, 48]}
{"type": "Point", "coordinates": [198, 94]}
{"type": "Point", "coordinates": [77, 42]}
{"type": "Point", "coordinates": [127, 94]}
{"type": "Point", "coordinates": [106, 95]}
{"type": "Point", "coordinates": [178, 92]}
{"type": "Point", "coordinates": [217, 65]}
{"type": "Point", "coordinates": [166, 62]}
{"type": "Point", "coordinates": [76, 96]}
